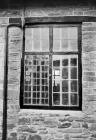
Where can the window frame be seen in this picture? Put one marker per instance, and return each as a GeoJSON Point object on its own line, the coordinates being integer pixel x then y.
{"type": "Point", "coordinates": [50, 53]}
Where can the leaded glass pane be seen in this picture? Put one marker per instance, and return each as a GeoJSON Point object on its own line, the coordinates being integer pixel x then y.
{"type": "Point", "coordinates": [65, 39]}
{"type": "Point", "coordinates": [64, 77]}
{"type": "Point", "coordinates": [37, 39]}
{"type": "Point", "coordinates": [65, 99]}
{"type": "Point", "coordinates": [74, 99]}
{"type": "Point", "coordinates": [36, 86]}
{"type": "Point", "coordinates": [56, 99]}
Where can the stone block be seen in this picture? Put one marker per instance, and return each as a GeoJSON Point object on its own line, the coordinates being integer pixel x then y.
{"type": "Point", "coordinates": [25, 128]}
{"type": "Point", "coordinates": [24, 121]}
{"type": "Point", "coordinates": [23, 137]}
{"type": "Point", "coordinates": [35, 137]}
{"type": "Point", "coordinates": [75, 124]}
{"type": "Point", "coordinates": [93, 127]}
{"type": "Point", "coordinates": [71, 130]}
{"type": "Point", "coordinates": [64, 125]}
{"type": "Point", "coordinates": [11, 126]}
{"type": "Point", "coordinates": [85, 125]}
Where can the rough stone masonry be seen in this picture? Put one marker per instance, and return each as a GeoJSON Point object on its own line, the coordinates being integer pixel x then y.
{"type": "Point", "coordinates": [31, 124]}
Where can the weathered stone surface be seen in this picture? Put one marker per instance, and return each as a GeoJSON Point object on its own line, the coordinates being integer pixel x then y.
{"type": "Point", "coordinates": [64, 125]}
{"type": "Point", "coordinates": [22, 137]}
{"type": "Point", "coordinates": [85, 125]}
{"type": "Point", "coordinates": [27, 129]}
{"type": "Point", "coordinates": [75, 124]}
{"type": "Point", "coordinates": [24, 120]}
{"type": "Point", "coordinates": [93, 127]}
{"type": "Point", "coordinates": [69, 119]}
{"type": "Point", "coordinates": [93, 135]}
{"type": "Point", "coordinates": [10, 126]}
{"type": "Point", "coordinates": [35, 137]}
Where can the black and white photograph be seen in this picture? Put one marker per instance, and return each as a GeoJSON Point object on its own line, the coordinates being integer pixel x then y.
{"type": "Point", "coordinates": [48, 70]}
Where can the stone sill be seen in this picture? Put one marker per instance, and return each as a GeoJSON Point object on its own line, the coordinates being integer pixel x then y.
{"type": "Point", "coordinates": [60, 112]}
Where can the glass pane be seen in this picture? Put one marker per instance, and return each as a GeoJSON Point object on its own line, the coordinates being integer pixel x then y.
{"type": "Point", "coordinates": [73, 61]}
{"type": "Point", "coordinates": [36, 33]}
{"type": "Point", "coordinates": [56, 86]}
{"type": "Point", "coordinates": [65, 99]}
{"type": "Point", "coordinates": [73, 45]}
{"type": "Point", "coordinates": [28, 45]}
{"type": "Point", "coordinates": [36, 45]}
{"type": "Point", "coordinates": [56, 99]}
{"type": "Point", "coordinates": [37, 39]}
{"type": "Point", "coordinates": [65, 73]}
{"type": "Point", "coordinates": [56, 45]}
{"type": "Point", "coordinates": [64, 45]}
{"type": "Point", "coordinates": [65, 86]}
{"type": "Point", "coordinates": [74, 86]}
{"type": "Point", "coordinates": [28, 39]}
{"type": "Point", "coordinates": [56, 74]}
{"type": "Point", "coordinates": [36, 85]}
{"type": "Point", "coordinates": [27, 100]}
{"type": "Point", "coordinates": [56, 33]}
{"type": "Point", "coordinates": [73, 33]}
{"type": "Point", "coordinates": [44, 33]}
{"type": "Point", "coordinates": [44, 45]}
{"type": "Point", "coordinates": [74, 99]}
{"type": "Point", "coordinates": [56, 63]}
{"type": "Point", "coordinates": [65, 62]}
{"type": "Point", "coordinates": [64, 33]}
{"type": "Point", "coordinates": [65, 39]}
{"type": "Point", "coordinates": [73, 73]}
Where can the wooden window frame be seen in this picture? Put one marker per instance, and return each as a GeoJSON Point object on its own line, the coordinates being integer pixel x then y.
{"type": "Point", "coordinates": [50, 107]}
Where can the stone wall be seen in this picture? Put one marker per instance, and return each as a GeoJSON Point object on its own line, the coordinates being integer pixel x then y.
{"type": "Point", "coordinates": [23, 124]}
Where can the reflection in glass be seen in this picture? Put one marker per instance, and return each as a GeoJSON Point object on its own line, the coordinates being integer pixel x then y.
{"type": "Point", "coordinates": [74, 99]}
{"type": "Point", "coordinates": [34, 94]}
{"type": "Point", "coordinates": [56, 63]}
{"type": "Point", "coordinates": [65, 86]}
{"type": "Point", "coordinates": [56, 72]}
{"type": "Point", "coordinates": [38, 101]}
{"type": "Point", "coordinates": [65, 73]}
{"type": "Point", "coordinates": [56, 86]}
{"type": "Point", "coordinates": [74, 86]}
{"type": "Point", "coordinates": [46, 101]}
{"type": "Point", "coordinates": [37, 77]}
{"type": "Point", "coordinates": [56, 99]}
{"type": "Point", "coordinates": [73, 61]}
{"type": "Point", "coordinates": [38, 94]}
{"type": "Point", "coordinates": [65, 99]}
{"type": "Point", "coordinates": [73, 73]}
{"type": "Point", "coordinates": [65, 62]}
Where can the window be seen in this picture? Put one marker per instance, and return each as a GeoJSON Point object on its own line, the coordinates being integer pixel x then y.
{"type": "Point", "coordinates": [51, 67]}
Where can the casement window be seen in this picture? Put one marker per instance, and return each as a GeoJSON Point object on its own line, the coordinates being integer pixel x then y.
{"type": "Point", "coordinates": [51, 67]}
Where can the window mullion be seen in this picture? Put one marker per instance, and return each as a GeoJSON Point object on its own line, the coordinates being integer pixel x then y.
{"type": "Point", "coordinates": [69, 81]}
{"type": "Point", "coordinates": [50, 64]}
